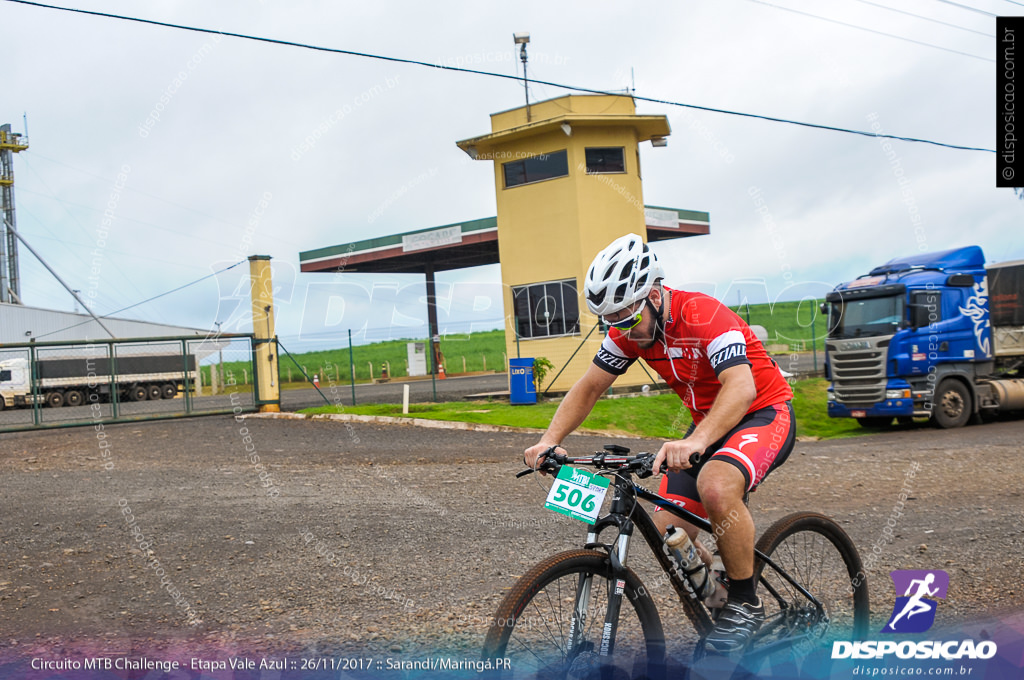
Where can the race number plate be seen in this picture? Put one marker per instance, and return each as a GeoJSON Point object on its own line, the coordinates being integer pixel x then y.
{"type": "Point", "coordinates": [858, 414]}
{"type": "Point", "coordinates": [577, 493]}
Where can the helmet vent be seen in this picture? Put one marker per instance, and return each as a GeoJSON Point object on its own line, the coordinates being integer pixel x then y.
{"type": "Point", "coordinates": [620, 293]}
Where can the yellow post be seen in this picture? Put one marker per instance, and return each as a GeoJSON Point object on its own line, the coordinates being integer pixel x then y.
{"type": "Point", "coordinates": [268, 392]}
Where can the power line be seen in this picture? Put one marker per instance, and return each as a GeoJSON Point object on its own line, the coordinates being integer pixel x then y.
{"type": "Point", "coordinates": [155, 297]}
{"type": "Point", "coordinates": [921, 16]}
{"type": "Point", "coordinates": [967, 7]}
{"type": "Point", "coordinates": [74, 218]}
{"type": "Point", "coordinates": [491, 74]}
{"type": "Point", "coordinates": [162, 200]}
{"type": "Point", "coordinates": [131, 219]}
{"type": "Point", "coordinates": [860, 28]}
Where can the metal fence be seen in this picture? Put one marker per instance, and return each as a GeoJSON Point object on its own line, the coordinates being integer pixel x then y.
{"type": "Point", "coordinates": [66, 384]}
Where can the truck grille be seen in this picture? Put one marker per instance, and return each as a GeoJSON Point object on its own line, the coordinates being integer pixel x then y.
{"type": "Point", "coordinates": [858, 375]}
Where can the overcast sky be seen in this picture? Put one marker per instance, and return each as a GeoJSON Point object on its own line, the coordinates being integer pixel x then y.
{"type": "Point", "coordinates": [274, 150]}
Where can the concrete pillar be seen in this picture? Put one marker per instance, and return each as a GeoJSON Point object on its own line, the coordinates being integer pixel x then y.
{"type": "Point", "coordinates": [267, 378]}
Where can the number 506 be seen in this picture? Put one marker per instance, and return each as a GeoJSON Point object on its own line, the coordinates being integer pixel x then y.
{"type": "Point", "coordinates": [575, 498]}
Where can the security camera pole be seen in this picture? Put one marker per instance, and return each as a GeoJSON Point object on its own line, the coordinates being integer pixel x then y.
{"type": "Point", "coordinates": [523, 39]}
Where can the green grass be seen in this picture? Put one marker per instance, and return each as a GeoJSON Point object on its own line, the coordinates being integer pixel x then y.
{"type": "Point", "coordinates": [660, 416]}
{"type": "Point", "coordinates": [789, 323]}
{"type": "Point", "coordinates": [657, 416]}
{"type": "Point", "coordinates": [811, 409]}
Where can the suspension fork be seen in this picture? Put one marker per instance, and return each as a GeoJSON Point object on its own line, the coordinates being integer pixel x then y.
{"type": "Point", "coordinates": [617, 555]}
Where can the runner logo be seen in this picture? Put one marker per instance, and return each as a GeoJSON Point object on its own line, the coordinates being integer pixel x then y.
{"type": "Point", "coordinates": [913, 613]}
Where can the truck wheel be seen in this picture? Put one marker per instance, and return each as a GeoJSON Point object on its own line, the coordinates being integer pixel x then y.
{"type": "Point", "coordinates": [54, 399]}
{"type": "Point", "coordinates": [155, 392]}
{"type": "Point", "coordinates": [138, 393]}
{"type": "Point", "coordinates": [875, 421]}
{"type": "Point", "coordinates": [952, 407]}
{"type": "Point", "coordinates": [73, 398]}
{"type": "Point", "coordinates": [169, 390]}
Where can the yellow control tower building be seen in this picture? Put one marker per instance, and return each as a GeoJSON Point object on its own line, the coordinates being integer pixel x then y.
{"type": "Point", "coordinates": [568, 181]}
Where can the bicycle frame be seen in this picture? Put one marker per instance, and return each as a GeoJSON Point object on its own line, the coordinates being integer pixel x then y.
{"type": "Point", "coordinates": [625, 513]}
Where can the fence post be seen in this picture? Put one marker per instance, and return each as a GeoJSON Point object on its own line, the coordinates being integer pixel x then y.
{"type": "Point", "coordinates": [245, 376]}
{"type": "Point", "coordinates": [814, 340]}
{"type": "Point", "coordinates": [484, 357]}
{"type": "Point", "coordinates": [289, 368]}
{"type": "Point", "coordinates": [351, 367]}
{"type": "Point", "coordinates": [370, 364]}
{"type": "Point", "coordinates": [463, 363]}
{"type": "Point", "coordinates": [504, 361]}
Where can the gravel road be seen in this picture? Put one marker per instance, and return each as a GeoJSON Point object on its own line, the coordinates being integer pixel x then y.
{"type": "Point", "coordinates": [397, 538]}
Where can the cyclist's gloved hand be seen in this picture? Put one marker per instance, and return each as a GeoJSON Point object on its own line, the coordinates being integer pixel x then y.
{"type": "Point", "coordinates": [676, 455]}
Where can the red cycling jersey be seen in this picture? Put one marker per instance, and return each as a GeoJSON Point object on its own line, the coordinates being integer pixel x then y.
{"type": "Point", "coordinates": [702, 338]}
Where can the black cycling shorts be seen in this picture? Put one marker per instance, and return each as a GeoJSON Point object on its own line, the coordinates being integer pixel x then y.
{"type": "Point", "coordinates": [759, 443]}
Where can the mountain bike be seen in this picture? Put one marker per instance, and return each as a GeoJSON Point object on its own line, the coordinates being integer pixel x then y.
{"type": "Point", "coordinates": [584, 613]}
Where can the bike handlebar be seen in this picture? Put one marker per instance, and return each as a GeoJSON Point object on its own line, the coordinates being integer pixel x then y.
{"type": "Point", "coordinates": [642, 463]}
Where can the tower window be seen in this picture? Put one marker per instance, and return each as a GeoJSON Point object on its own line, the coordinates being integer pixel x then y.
{"type": "Point", "coordinates": [605, 160]}
{"type": "Point", "coordinates": [544, 310]}
{"type": "Point", "coordinates": [536, 168]}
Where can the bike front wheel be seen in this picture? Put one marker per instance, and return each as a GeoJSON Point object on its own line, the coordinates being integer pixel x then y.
{"type": "Point", "coordinates": [552, 624]}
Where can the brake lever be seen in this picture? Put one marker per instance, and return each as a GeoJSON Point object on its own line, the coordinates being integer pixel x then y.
{"type": "Point", "coordinates": [550, 462]}
{"type": "Point", "coordinates": [647, 468]}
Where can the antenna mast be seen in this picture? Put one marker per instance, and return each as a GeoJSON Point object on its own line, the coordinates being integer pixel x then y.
{"type": "Point", "coordinates": [10, 280]}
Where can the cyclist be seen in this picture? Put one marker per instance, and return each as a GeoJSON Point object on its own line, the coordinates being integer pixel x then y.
{"type": "Point", "coordinates": [743, 425]}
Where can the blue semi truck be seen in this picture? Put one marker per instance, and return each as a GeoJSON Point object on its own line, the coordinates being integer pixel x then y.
{"type": "Point", "coordinates": [936, 335]}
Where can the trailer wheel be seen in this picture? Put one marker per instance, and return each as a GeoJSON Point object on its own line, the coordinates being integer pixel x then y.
{"type": "Point", "coordinates": [169, 391]}
{"type": "Point", "coordinates": [952, 407]}
{"type": "Point", "coordinates": [138, 393]}
{"type": "Point", "coordinates": [155, 392]}
{"type": "Point", "coordinates": [73, 398]}
{"type": "Point", "coordinates": [54, 399]}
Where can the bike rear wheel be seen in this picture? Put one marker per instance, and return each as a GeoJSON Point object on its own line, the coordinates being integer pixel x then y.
{"type": "Point", "coordinates": [818, 555]}
{"type": "Point", "coordinates": [532, 628]}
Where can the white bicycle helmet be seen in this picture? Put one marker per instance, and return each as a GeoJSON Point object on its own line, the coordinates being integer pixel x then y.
{"type": "Point", "coordinates": [621, 274]}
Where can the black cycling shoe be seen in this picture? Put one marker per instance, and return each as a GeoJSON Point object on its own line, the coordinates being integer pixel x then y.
{"type": "Point", "coordinates": [735, 625]}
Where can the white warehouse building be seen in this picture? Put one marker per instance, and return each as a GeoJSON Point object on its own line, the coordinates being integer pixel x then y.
{"type": "Point", "coordinates": [20, 324]}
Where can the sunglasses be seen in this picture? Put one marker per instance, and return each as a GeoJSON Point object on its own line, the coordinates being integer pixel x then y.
{"type": "Point", "coordinates": [629, 322]}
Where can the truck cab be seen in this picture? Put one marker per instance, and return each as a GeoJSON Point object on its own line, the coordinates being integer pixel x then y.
{"type": "Point", "coordinates": [911, 339]}
{"type": "Point", "coordinates": [14, 382]}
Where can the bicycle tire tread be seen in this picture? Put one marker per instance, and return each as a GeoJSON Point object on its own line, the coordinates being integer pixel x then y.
{"type": "Point", "coordinates": [827, 527]}
{"type": "Point", "coordinates": [539, 575]}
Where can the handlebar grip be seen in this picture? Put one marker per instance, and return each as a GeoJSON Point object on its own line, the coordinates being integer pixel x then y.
{"type": "Point", "coordinates": [647, 469]}
{"type": "Point", "coordinates": [550, 461]}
